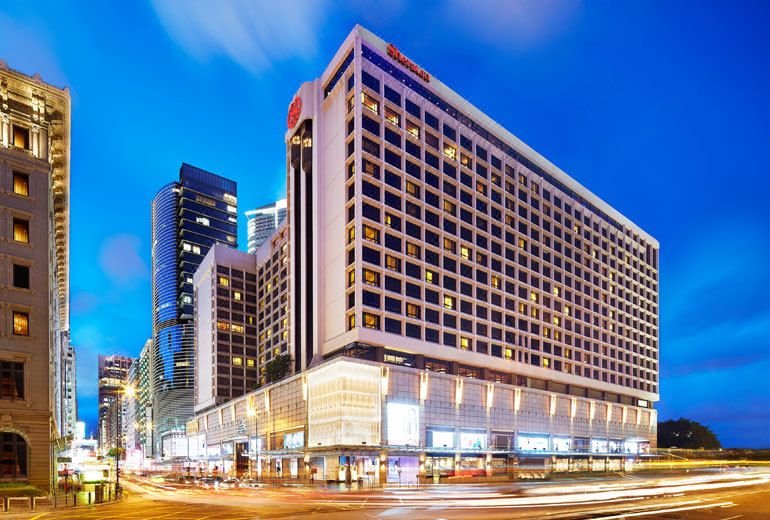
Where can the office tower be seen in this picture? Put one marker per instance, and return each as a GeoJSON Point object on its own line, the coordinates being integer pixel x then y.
{"type": "Point", "coordinates": [69, 391]}
{"type": "Point", "coordinates": [113, 381]}
{"type": "Point", "coordinates": [34, 271]}
{"type": "Point", "coordinates": [263, 221]}
{"type": "Point", "coordinates": [458, 305]}
{"type": "Point", "coordinates": [241, 318]}
{"type": "Point", "coordinates": [143, 419]}
{"type": "Point", "coordinates": [188, 217]}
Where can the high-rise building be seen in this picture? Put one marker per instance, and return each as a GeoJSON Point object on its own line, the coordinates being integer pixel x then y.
{"type": "Point", "coordinates": [458, 305]}
{"type": "Point", "coordinates": [188, 217]}
{"type": "Point", "coordinates": [113, 381]}
{"type": "Point", "coordinates": [143, 419]}
{"type": "Point", "coordinates": [241, 318]}
{"type": "Point", "coordinates": [34, 271]}
{"type": "Point", "coordinates": [69, 409]}
{"type": "Point", "coordinates": [263, 221]}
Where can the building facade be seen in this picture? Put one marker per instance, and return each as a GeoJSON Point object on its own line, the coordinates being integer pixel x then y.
{"type": "Point", "coordinates": [188, 218]}
{"type": "Point", "coordinates": [69, 408]}
{"type": "Point", "coordinates": [507, 312]}
{"type": "Point", "coordinates": [34, 271]}
{"type": "Point", "coordinates": [263, 221]}
{"type": "Point", "coordinates": [113, 381]}
{"type": "Point", "coordinates": [241, 318]}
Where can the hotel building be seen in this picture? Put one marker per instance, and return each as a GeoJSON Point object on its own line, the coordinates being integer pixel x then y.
{"type": "Point", "coordinates": [188, 218]}
{"type": "Point", "coordinates": [458, 304]}
{"type": "Point", "coordinates": [34, 272]}
{"type": "Point", "coordinates": [263, 221]}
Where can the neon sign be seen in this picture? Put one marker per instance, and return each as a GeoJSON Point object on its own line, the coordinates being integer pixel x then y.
{"type": "Point", "coordinates": [294, 111]}
{"type": "Point", "coordinates": [394, 53]}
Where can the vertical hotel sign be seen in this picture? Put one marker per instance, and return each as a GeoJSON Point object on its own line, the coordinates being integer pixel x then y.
{"type": "Point", "coordinates": [395, 54]}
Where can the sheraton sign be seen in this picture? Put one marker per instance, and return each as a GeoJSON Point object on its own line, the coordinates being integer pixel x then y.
{"type": "Point", "coordinates": [394, 53]}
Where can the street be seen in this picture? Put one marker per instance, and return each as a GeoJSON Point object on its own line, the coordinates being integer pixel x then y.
{"type": "Point", "coordinates": [739, 494]}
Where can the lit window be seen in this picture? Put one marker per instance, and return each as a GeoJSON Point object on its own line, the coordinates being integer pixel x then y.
{"type": "Point", "coordinates": [449, 207]}
{"type": "Point", "coordinates": [371, 277]}
{"type": "Point", "coordinates": [465, 252]}
{"type": "Point", "coordinates": [236, 328]}
{"type": "Point", "coordinates": [389, 220]}
{"type": "Point", "coordinates": [413, 129]}
{"type": "Point", "coordinates": [522, 243]}
{"type": "Point", "coordinates": [450, 245]}
{"type": "Point", "coordinates": [546, 362]}
{"type": "Point", "coordinates": [556, 320]}
{"type": "Point", "coordinates": [465, 343]}
{"type": "Point", "coordinates": [371, 234]}
{"type": "Point", "coordinates": [533, 296]}
{"type": "Point", "coordinates": [351, 278]}
{"type": "Point", "coordinates": [465, 160]}
{"type": "Point", "coordinates": [186, 246]}
{"type": "Point", "coordinates": [412, 189]}
{"type": "Point", "coordinates": [371, 321]}
{"type": "Point", "coordinates": [232, 209]}
{"type": "Point", "coordinates": [21, 184]}
{"type": "Point", "coordinates": [431, 277]}
{"type": "Point", "coordinates": [351, 321]}
{"type": "Point", "coordinates": [523, 308]}
{"type": "Point", "coordinates": [21, 230]}
{"type": "Point", "coordinates": [224, 281]}
{"type": "Point", "coordinates": [392, 117]}
{"type": "Point", "coordinates": [351, 234]}
{"type": "Point", "coordinates": [21, 137]}
{"type": "Point", "coordinates": [522, 179]}
{"type": "Point", "coordinates": [412, 250]}
{"type": "Point", "coordinates": [556, 291]}
{"type": "Point", "coordinates": [203, 221]}
{"type": "Point", "coordinates": [238, 361]}
{"type": "Point", "coordinates": [412, 310]}
{"type": "Point", "coordinates": [449, 302]}
{"type": "Point", "coordinates": [450, 151]}
{"type": "Point", "coordinates": [508, 353]}
{"type": "Point", "coordinates": [237, 296]}
{"type": "Point", "coordinates": [370, 103]}
{"type": "Point", "coordinates": [392, 263]}
{"type": "Point", "coordinates": [481, 188]}
{"type": "Point", "coordinates": [20, 323]}
{"type": "Point", "coordinates": [546, 332]}
{"type": "Point", "coordinates": [566, 310]}
{"type": "Point", "coordinates": [495, 281]}
{"type": "Point", "coordinates": [221, 325]}
{"type": "Point", "coordinates": [250, 362]}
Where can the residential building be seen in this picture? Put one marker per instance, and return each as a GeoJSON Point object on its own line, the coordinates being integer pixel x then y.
{"type": "Point", "coordinates": [188, 217]}
{"type": "Point", "coordinates": [241, 318]}
{"type": "Point", "coordinates": [34, 271]}
{"type": "Point", "coordinates": [112, 385]}
{"type": "Point", "coordinates": [263, 221]}
{"type": "Point", "coordinates": [457, 303]}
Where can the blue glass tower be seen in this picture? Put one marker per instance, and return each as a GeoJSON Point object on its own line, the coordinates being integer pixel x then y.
{"type": "Point", "coordinates": [188, 217]}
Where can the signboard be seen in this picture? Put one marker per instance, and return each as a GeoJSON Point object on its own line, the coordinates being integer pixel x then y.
{"type": "Point", "coordinates": [394, 53]}
{"type": "Point", "coordinates": [473, 441]}
{"type": "Point", "coordinates": [295, 108]}
{"type": "Point", "coordinates": [403, 424]}
{"type": "Point", "coordinates": [293, 440]}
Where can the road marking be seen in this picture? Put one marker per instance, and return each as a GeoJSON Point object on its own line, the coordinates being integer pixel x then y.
{"type": "Point", "coordinates": [732, 517]}
{"type": "Point", "coordinates": [659, 511]}
{"type": "Point", "coordinates": [39, 516]}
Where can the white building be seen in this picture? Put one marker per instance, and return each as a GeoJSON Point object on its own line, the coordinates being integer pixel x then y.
{"type": "Point", "coordinates": [263, 221]}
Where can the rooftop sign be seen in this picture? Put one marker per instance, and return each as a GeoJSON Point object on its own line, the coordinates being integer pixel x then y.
{"type": "Point", "coordinates": [394, 53]}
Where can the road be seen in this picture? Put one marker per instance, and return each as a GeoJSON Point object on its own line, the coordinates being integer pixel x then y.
{"type": "Point", "coordinates": [739, 495]}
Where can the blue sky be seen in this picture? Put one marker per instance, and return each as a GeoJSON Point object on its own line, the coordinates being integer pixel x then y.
{"type": "Point", "coordinates": [660, 108]}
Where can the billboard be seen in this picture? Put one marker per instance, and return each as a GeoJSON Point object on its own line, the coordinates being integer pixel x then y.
{"type": "Point", "coordinates": [403, 424]}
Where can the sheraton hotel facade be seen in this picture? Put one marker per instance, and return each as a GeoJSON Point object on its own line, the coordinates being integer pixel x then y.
{"type": "Point", "coordinates": [457, 305]}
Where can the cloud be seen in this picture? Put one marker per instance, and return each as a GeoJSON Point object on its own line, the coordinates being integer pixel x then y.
{"type": "Point", "coordinates": [253, 34]}
{"type": "Point", "coordinates": [121, 261]}
{"type": "Point", "coordinates": [521, 23]}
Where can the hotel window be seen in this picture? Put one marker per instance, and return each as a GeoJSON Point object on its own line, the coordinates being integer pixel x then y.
{"type": "Point", "coordinates": [412, 189]}
{"type": "Point", "coordinates": [449, 302]}
{"type": "Point", "coordinates": [224, 281]}
{"type": "Point", "coordinates": [450, 245]}
{"type": "Point", "coordinates": [21, 137]}
{"type": "Point", "coordinates": [371, 277]}
{"type": "Point", "coordinates": [431, 277]}
{"type": "Point", "coordinates": [351, 278]}
{"type": "Point", "coordinates": [21, 276]}
{"type": "Point", "coordinates": [413, 310]}
{"type": "Point", "coordinates": [392, 263]}
{"type": "Point", "coordinates": [392, 117]}
{"type": "Point", "coordinates": [351, 322]}
{"type": "Point", "coordinates": [371, 321]}
{"type": "Point", "coordinates": [508, 353]}
{"type": "Point", "coordinates": [522, 244]}
{"type": "Point", "coordinates": [371, 234]}
{"type": "Point", "coordinates": [21, 184]}
{"type": "Point", "coordinates": [370, 103]}
{"type": "Point", "coordinates": [450, 151]}
{"type": "Point", "coordinates": [450, 207]}
{"type": "Point", "coordinates": [11, 380]}
{"type": "Point", "coordinates": [556, 291]}
{"type": "Point", "coordinates": [250, 362]}
{"type": "Point", "coordinates": [238, 361]}
{"type": "Point", "coordinates": [465, 252]}
{"type": "Point", "coordinates": [20, 323]}
{"type": "Point", "coordinates": [413, 129]}
{"type": "Point", "coordinates": [465, 343]}
{"type": "Point", "coordinates": [237, 296]}
{"type": "Point", "coordinates": [236, 328]}
{"type": "Point", "coordinates": [412, 250]}
{"type": "Point", "coordinates": [223, 325]}
{"type": "Point", "coordinates": [351, 234]}
{"type": "Point", "coordinates": [21, 230]}
{"type": "Point", "coordinates": [495, 281]}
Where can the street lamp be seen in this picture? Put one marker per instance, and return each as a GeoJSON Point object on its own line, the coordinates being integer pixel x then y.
{"type": "Point", "coordinates": [251, 413]}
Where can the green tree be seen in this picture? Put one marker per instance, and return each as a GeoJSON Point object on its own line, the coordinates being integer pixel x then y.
{"type": "Point", "coordinates": [686, 434]}
{"type": "Point", "coordinates": [277, 368]}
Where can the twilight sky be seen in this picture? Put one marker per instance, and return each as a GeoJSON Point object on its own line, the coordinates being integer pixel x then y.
{"type": "Point", "coordinates": [660, 108]}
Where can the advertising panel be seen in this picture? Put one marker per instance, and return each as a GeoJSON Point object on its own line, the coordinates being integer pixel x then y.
{"type": "Point", "coordinates": [403, 424]}
{"type": "Point", "coordinates": [473, 440]}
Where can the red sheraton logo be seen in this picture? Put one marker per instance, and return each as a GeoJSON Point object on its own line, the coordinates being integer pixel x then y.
{"type": "Point", "coordinates": [294, 110]}
{"type": "Point", "coordinates": [394, 53]}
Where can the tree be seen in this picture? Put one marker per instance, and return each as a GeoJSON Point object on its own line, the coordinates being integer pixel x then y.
{"type": "Point", "coordinates": [277, 368]}
{"type": "Point", "coordinates": [686, 434]}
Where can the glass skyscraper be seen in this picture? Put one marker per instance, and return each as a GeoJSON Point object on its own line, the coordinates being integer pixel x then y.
{"type": "Point", "coordinates": [188, 217]}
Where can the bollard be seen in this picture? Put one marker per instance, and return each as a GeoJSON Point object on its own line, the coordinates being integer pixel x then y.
{"type": "Point", "coordinates": [75, 499]}
{"type": "Point", "coordinates": [109, 495]}
{"type": "Point", "coordinates": [89, 498]}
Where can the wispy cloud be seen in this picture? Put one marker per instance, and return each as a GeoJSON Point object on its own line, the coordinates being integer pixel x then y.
{"type": "Point", "coordinates": [253, 34]}
{"type": "Point", "coordinates": [121, 261]}
{"type": "Point", "coordinates": [518, 23]}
